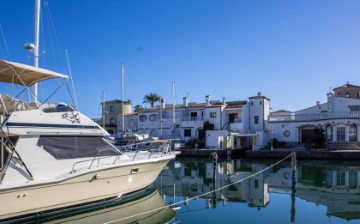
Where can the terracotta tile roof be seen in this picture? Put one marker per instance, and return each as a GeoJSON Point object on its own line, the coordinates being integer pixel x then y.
{"type": "Point", "coordinates": [347, 85]}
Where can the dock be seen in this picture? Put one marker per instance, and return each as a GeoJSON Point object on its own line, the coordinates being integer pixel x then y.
{"type": "Point", "coordinates": [222, 153]}
{"type": "Point", "coordinates": [322, 154]}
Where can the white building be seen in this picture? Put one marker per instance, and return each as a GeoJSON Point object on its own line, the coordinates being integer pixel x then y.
{"type": "Point", "coordinates": [338, 118]}
{"type": "Point", "coordinates": [187, 120]}
{"type": "Point", "coordinates": [251, 123]}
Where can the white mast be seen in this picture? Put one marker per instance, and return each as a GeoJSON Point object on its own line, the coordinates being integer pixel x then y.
{"type": "Point", "coordinates": [103, 109]}
{"type": "Point", "coordinates": [36, 44]}
{"type": "Point", "coordinates": [122, 98]}
{"type": "Point", "coordinates": [173, 93]}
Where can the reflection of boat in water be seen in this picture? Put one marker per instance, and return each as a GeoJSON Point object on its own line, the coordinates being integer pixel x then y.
{"type": "Point", "coordinates": [139, 207]}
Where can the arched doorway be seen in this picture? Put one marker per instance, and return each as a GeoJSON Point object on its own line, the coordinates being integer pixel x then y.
{"type": "Point", "coordinates": [353, 133]}
{"type": "Point", "coordinates": [307, 134]}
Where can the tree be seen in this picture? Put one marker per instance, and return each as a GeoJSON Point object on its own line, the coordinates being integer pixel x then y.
{"type": "Point", "coordinates": [151, 98]}
{"type": "Point", "coordinates": [138, 108]}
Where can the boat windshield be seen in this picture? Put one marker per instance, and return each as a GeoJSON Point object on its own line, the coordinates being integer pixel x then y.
{"type": "Point", "coordinates": [69, 147]}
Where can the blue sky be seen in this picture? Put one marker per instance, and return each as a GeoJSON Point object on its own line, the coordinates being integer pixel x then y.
{"type": "Point", "coordinates": [290, 51]}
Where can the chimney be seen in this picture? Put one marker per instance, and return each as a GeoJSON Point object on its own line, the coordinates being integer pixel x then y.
{"type": "Point", "coordinates": [223, 100]}
{"type": "Point", "coordinates": [162, 104]}
{"type": "Point", "coordinates": [186, 101]}
{"type": "Point", "coordinates": [207, 99]}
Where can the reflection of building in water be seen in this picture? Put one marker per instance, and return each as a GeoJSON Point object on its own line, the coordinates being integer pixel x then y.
{"type": "Point", "coordinates": [336, 187]}
{"type": "Point", "coordinates": [196, 178]}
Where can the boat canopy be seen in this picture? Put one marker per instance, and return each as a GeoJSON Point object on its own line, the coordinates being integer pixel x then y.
{"type": "Point", "coordinates": [27, 75]}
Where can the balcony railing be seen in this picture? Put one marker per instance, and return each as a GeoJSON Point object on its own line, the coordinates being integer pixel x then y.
{"type": "Point", "coordinates": [192, 118]}
{"type": "Point", "coordinates": [315, 117]}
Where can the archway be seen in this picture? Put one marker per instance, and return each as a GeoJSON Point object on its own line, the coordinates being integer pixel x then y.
{"type": "Point", "coordinates": [307, 134]}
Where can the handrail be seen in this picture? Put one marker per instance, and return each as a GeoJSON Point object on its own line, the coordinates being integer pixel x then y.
{"type": "Point", "coordinates": [147, 146]}
{"type": "Point", "coordinates": [93, 159]}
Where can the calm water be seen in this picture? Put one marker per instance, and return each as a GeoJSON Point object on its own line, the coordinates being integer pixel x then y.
{"type": "Point", "coordinates": [326, 192]}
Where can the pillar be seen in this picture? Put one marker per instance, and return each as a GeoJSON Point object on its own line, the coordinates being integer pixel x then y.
{"type": "Point", "coordinates": [334, 133]}
{"type": "Point", "coordinates": [347, 129]}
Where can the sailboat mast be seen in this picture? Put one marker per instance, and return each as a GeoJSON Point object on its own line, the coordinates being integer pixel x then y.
{"type": "Point", "coordinates": [173, 95]}
{"type": "Point", "coordinates": [103, 109]}
{"type": "Point", "coordinates": [122, 98]}
{"type": "Point", "coordinates": [36, 45]}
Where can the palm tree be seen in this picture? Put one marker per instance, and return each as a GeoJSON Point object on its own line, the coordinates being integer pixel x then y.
{"type": "Point", "coordinates": [138, 108]}
{"type": "Point", "coordinates": [151, 98]}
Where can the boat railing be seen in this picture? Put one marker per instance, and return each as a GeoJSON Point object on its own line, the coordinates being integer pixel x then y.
{"type": "Point", "coordinates": [96, 157]}
{"type": "Point", "coordinates": [160, 147]}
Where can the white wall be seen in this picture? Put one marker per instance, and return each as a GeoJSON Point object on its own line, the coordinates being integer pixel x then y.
{"type": "Point", "coordinates": [212, 138]}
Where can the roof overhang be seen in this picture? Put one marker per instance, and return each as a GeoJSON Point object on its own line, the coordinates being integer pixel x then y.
{"type": "Point", "coordinates": [12, 72]}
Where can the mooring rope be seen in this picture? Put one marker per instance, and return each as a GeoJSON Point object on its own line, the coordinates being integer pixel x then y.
{"type": "Point", "coordinates": [201, 195]}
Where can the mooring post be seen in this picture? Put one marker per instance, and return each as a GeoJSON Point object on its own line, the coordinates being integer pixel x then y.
{"type": "Point", "coordinates": [293, 165]}
{"type": "Point", "coordinates": [293, 188]}
{"type": "Point", "coordinates": [215, 157]}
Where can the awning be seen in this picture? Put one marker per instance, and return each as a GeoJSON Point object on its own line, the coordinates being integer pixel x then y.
{"type": "Point", "coordinates": [22, 74]}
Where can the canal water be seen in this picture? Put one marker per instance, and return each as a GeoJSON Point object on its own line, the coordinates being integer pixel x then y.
{"type": "Point", "coordinates": [193, 190]}
{"type": "Point", "coordinates": [325, 191]}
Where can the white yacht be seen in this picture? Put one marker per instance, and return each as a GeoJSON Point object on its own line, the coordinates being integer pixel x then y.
{"type": "Point", "coordinates": [53, 156]}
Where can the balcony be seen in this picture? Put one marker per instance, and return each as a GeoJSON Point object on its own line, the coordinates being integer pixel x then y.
{"type": "Point", "coordinates": [315, 117]}
{"type": "Point", "coordinates": [192, 119]}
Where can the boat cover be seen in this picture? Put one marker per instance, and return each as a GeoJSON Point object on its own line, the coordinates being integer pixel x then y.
{"type": "Point", "coordinates": [27, 75]}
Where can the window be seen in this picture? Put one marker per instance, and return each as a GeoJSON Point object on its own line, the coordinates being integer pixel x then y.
{"type": "Point", "coordinates": [256, 184]}
{"type": "Point", "coordinates": [187, 172]}
{"type": "Point", "coordinates": [329, 133]}
{"type": "Point", "coordinates": [212, 114]}
{"type": "Point", "coordinates": [152, 117]}
{"type": "Point", "coordinates": [112, 108]}
{"type": "Point", "coordinates": [252, 103]}
{"type": "Point", "coordinates": [340, 178]}
{"type": "Point", "coordinates": [193, 116]}
{"type": "Point", "coordinates": [65, 147]}
{"type": "Point", "coordinates": [340, 134]}
{"type": "Point", "coordinates": [256, 119]}
{"type": "Point", "coordinates": [353, 133]}
{"type": "Point", "coordinates": [142, 118]}
{"type": "Point", "coordinates": [260, 102]}
{"type": "Point", "coordinates": [348, 94]}
{"type": "Point", "coordinates": [187, 132]}
{"type": "Point", "coordinates": [112, 120]}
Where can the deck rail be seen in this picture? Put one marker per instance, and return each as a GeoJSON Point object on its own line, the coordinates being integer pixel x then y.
{"type": "Point", "coordinates": [159, 147]}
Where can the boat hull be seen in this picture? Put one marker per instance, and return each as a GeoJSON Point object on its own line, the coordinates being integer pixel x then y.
{"type": "Point", "coordinates": [85, 188]}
